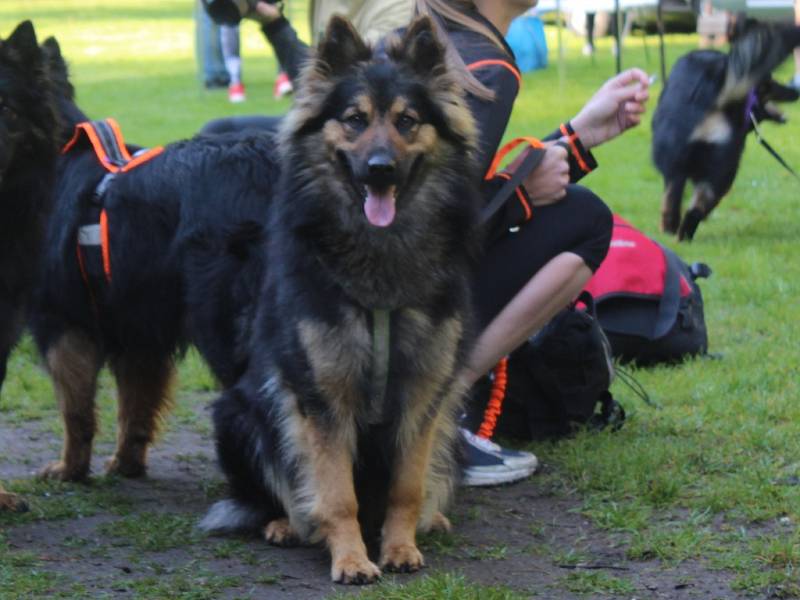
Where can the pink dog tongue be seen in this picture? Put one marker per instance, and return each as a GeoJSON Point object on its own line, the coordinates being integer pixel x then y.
{"type": "Point", "coordinates": [379, 206]}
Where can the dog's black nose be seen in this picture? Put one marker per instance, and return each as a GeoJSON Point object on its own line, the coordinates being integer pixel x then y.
{"type": "Point", "coordinates": [381, 164]}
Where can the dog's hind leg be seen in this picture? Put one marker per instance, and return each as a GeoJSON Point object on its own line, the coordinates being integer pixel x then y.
{"type": "Point", "coordinates": [280, 532]}
{"type": "Point", "coordinates": [73, 362]}
{"type": "Point", "coordinates": [671, 204]}
{"type": "Point", "coordinates": [704, 199]}
{"type": "Point", "coordinates": [145, 389]}
{"type": "Point", "coordinates": [11, 323]}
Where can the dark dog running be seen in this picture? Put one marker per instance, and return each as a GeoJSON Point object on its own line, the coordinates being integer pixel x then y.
{"type": "Point", "coordinates": [704, 115]}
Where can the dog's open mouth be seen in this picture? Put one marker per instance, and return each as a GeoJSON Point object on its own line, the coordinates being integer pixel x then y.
{"type": "Point", "coordinates": [379, 205]}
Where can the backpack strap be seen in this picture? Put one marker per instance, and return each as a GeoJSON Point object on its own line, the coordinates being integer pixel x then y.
{"type": "Point", "coordinates": [671, 298]}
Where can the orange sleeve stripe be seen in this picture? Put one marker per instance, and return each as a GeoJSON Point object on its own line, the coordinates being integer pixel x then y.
{"type": "Point", "coordinates": [571, 137]}
{"type": "Point", "coordinates": [521, 197]}
{"type": "Point", "coordinates": [104, 247]}
{"type": "Point", "coordinates": [496, 62]}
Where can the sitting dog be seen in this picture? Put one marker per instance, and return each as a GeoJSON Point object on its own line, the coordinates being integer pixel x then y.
{"type": "Point", "coordinates": [30, 130]}
{"type": "Point", "coordinates": [346, 417]}
{"type": "Point", "coordinates": [705, 112]}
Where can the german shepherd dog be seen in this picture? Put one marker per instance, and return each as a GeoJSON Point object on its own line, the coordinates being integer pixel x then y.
{"type": "Point", "coordinates": [346, 417]}
{"type": "Point", "coordinates": [185, 230]}
{"type": "Point", "coordinates": [704, 114]}
{"type": "Point", "coordinates": [29, 135]}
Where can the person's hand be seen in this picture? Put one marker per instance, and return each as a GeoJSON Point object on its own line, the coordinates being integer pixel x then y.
{"type": "Point", "coordinates": [617, 106]}
{"type": "Point", "coordinates": [264, 12]}
{"type": "Point", "coordinates": [547, 183]}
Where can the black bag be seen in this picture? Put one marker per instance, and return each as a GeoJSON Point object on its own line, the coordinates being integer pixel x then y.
{"type": "Point", "coordinates": [647, 300]}
{"type": "Point", "coordinates": [555, 383]}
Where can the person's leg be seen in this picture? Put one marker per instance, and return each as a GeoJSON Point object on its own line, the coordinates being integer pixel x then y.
{"type": "Point", "coordinates": [526, 277]}
{"type": "Point", "coordinates": [523, 281]}
{"type": "Point", "coordinates": [211, 67]}
{"type": "Point", "coordinates": [552, 288]}
{"type": "Point", "coordinates": [229, 43]}
{"type": "Point", "coordinates": [795, 82]}
{"type": "Point", "coordinates": [588, 49]}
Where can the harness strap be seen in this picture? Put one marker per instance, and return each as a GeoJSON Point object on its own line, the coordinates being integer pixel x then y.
{"type": "Point", "coordinates": [107, 142]}
{"type": "Point", "coordinates": [381, 324]}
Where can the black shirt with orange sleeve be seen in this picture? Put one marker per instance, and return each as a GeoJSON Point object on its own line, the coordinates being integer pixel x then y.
{"type": "Point", "coordinates": [495, 68]}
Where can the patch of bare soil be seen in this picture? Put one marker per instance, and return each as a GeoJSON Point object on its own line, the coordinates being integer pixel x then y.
{"type": "Point", "coordinates": [521, 536]}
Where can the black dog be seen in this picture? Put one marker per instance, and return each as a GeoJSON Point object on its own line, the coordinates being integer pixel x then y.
{"type": "Point", "coordinates": [346, 417]}
{"type": "Point", "coordinates": [704, 114]}
{"type": "Point", "coordinates": [30, 130]}
{"type": "Point", "coordinates": [184, 237]}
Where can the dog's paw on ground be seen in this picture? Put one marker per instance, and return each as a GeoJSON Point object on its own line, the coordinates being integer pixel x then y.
{"type": "Point", "coordinates": [125, 468]}
{"type": "Point", "coordinates": [280, 533]}
{"type": "Point", "coordinates": [354, 569]}
{"type": "Point", "coordinates": [59, 470]}
{"type": "Point", "coordinates": [401, 558]}
{"type": "Point", "coordinates": [12, 502]}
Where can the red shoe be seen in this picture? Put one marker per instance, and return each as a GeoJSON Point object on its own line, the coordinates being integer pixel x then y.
{"type": "Point", "coordinates": [236, 93]}
{"type": "Point", "coordinates": [283, 86]}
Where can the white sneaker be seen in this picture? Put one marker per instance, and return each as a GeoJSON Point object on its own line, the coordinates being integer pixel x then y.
{"type": "Point", "coordinates": [486, 463]}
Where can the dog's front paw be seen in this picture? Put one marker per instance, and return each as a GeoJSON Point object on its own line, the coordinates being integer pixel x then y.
{"type": "Point", "coordinates": [117, 465]}
{"type": "Point", "coordinates": [401, 558]}
{"type": "Point", "coordinates": [12, 502]}
{"type": "Point", "coordinates": [280, 533]}
{"type": "Point", "coordinates": [354, 569]}
{"type": "Point", "coordinates": [61, 471]}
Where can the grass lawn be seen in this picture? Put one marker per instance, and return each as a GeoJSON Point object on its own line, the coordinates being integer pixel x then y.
{"type": "Point", "coordinates": [711, 477]}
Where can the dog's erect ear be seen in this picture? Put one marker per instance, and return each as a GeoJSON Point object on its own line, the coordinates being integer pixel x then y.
{"type": "Point", "coordinates": [23, 41]}
{"type": "Point", "coordinates": [341, 46]}
{"type": "Point", "coordinates": [423, 50]}
{"type": "Point", "coordinates": [50, 45]}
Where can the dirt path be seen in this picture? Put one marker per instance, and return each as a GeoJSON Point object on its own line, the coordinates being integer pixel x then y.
{"type": "Point", "coordinates": [138, 535]}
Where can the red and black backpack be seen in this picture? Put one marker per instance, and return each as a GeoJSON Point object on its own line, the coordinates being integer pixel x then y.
{"type": "Point", "coordinates": [647, 300]}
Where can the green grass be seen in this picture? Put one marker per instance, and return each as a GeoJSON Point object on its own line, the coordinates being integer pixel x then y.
{"type": "Point", "coordinates": [710, 475]}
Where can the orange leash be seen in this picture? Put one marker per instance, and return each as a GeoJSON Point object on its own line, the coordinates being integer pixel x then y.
{"type": "Point", "coordinates": [496, 397]}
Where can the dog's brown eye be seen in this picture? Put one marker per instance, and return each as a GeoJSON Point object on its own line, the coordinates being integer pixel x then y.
{"type": "Point", "coordinates": [356, 120]}
{"type": "Point", "coordinates": [405, 122]}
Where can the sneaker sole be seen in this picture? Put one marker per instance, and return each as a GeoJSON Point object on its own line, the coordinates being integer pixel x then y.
{"type": "Point", "coordinates": [488, 479]}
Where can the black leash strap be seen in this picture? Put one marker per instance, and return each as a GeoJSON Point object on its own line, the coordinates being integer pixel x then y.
{"type": "Point", "coordinates": [535, 156]}
{"type": "Point", "coordinates": [770, 149]}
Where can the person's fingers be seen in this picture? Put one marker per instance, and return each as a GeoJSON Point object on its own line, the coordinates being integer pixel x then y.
{"type": "Point", "coordinates": [630, 76]}
{"type": "Point", "coordinates": [634, 108]}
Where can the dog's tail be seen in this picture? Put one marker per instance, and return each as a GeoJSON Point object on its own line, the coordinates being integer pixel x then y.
{"type": "Point", "coordinates": [754, 54]}
{"type": "Point", "coordinates": [227, 516]}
